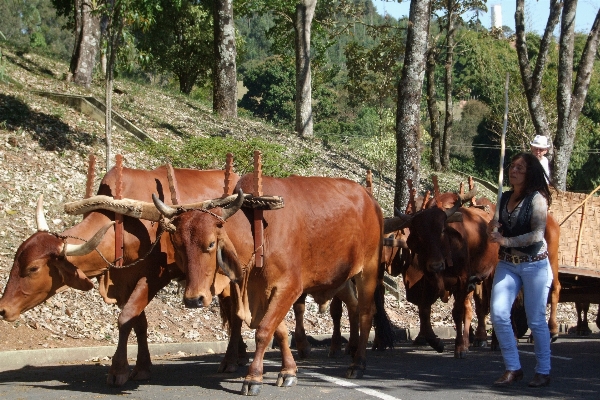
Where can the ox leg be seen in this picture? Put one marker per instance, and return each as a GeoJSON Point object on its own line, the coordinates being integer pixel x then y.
{"type": "Point", "coordinates": [366, 283]}
{"type": "Point", "coordinates": [302, 344]}
{"type": "Point", "coordinates": [336, 310]}
{"type": "Point", "coordinates": [287, 375]}
{"type": "Point", "coordinates": [552, 236]}
{"type": "Point", "coordinates": [462, 314]}
{"type": "Point", "coordinates": [347, 295]}
{"type": "Point", "coordinates": [271, 321]}
{"type": "Point", "coordinates": [583, 328]}
{"type": "Point", "coordinates": [482, 306]}
{"type": "Point", "coordinates": [236, 348]}
{"type": "Point", "coordinates": [426, 330]}
{"type": "Point", "coordinates": [132, 317]}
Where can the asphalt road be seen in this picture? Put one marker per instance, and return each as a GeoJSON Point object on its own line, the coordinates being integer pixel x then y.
{"type": "Point", "coordinates": [406, 372]}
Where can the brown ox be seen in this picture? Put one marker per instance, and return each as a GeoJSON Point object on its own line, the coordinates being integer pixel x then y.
{"type": "Point", "coordinates": [329, 232]}
{"type": "Point", "coordinates": [457, 254]}
{"type": "Point", "coordinates": [41, 268]}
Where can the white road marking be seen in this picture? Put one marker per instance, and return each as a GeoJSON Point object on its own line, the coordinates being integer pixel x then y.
{"type": "Point", "coordinates": [551, 356]}
{"type": "Point", "coordinates": [343, 383]}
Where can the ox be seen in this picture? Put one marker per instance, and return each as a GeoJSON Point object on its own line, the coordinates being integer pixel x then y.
{"type": "Point", "coordinates": [329, 232]}
{"type": "Point", "coordinates": [457, 253]}
{"type": "Point", "coordinates": [46, 262]}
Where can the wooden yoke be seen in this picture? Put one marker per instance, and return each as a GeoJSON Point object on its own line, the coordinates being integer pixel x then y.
{"type": "Point", "coordinates": [369, 182]}
{"type": "Point", "coordinates": [172, 185]}
{"type": "Point", "coordinates": [227, 189]}
{"type": "Point", "coordinates": [91, 177]}
{"type": "Point", "coordinates": [258, 213]}
{"type": "Point", "coordinates": [119, 217]}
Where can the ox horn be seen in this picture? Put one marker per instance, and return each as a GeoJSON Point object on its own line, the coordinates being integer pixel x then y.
{"type": "Point", "coordinates": [40, 218]}
{"type": "Point", "coordinates": [462, 198]}
{"type": "Point", "coordinates": [396, 223]}
{"type": "Point", "coordinates": [233, 207]}
{"type": "Point", "coordinates": [131, 208]}
{"type": "Point", "coordinates": [89, 246]}
{"type": "Point", "coordinates": [164, 209]}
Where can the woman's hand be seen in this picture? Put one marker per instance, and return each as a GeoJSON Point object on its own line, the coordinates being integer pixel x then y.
{"type": "Point", "coordinates": [493, 235]}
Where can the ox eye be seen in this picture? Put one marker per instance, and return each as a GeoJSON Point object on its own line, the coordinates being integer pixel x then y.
{"type": "Point", "coordinates": [32, 270]}
{"type": "Point", "coordinates": [211, 246]}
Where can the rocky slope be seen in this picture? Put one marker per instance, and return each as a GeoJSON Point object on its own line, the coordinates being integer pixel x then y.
{"type": "Point", "coordinates": [44, 148]}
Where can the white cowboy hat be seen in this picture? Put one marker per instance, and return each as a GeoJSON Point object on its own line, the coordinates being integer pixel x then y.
{"type": "Point", "coordinates": [541, 142]}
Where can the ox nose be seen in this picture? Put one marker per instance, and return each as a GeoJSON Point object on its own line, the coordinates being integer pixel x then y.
{"type": "Point", "coordinates": [194, 303]}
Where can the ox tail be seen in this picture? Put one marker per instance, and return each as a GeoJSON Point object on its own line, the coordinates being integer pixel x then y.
{"type": "Point", "coordinates": [384, 333]}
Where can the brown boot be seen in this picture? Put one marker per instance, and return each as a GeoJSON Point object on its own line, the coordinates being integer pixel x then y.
{"type": "Point", "coordinates": [540, 380]}
{"type": "Point", "coordinates": [509, 377]}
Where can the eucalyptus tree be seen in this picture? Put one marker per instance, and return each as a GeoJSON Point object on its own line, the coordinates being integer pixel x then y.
{"type": "Point", "coordinates": [408, 121]}
{"type": "Point", "coordinates": [84, 19]}
{"type": "Point", "coordinates": [225, 53]}
{"type": "Point", "coordinates": [453, 11]}
{"type": "Point", "coordinates": [570, 97]}
{"type": "Point", "coordinates": [293, 30]}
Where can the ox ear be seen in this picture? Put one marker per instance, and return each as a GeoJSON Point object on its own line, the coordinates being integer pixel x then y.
{"type": "Point", "coordinates": [74, 277]}
{"type": "Point", "coordinates": [228, 261]}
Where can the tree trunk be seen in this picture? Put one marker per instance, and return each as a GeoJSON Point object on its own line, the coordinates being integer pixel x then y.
{"type": "Point", "coordinates": [305, 11]}
{"type": "Point", "coordinates": [570, 103]}
{"type": "Point", "coordinates": [432, 108]}
{"type": "Point", "coordinates": [532, 81]}
{"type": "Point", "coordinates": [225, 73]}
{"type": "Point", "coordinates": [87, 40]}
{"type": "Point", "coordinates": [408, 121]}
{"type": "Point", "coordinates": [449, 117]}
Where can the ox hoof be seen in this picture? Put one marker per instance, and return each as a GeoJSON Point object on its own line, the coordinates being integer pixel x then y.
{"type": "Point", "coordinates": [553, 337]}
{"type": "Point", "coordinates": [304, 353]}
{"type": "Point", "coordinates": [436, 344]}
{"type": "Point", "coordinates": [250, 388]}
{"type": "Point", "coordinates": [335, 353]}
{"type": "Point", "coordinates": [227, 367]}
{"type": "Point", "coordinates": [139, 374]}
{"type": "Point", "coordinates": [117, 379]}
{"type": "Point", "coordinates": [460, 354]}
{"type": "Point", "coordinates": [286, 380]}
{"type": "Point", "coordinates": [480, 343]}
{"type": "Point", "coordinates": [420, 341]}
{"type": "Point", "coordinates": [355, 372]}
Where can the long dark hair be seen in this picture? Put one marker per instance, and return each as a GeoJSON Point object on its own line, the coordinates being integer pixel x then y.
{"type": "Point", "coordinates": [535, 177]}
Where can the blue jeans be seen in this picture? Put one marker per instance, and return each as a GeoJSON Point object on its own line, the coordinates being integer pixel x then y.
{"type": "Point", "coordinates": [535, 278]}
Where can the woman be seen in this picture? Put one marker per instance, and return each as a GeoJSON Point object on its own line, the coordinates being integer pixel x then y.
{"type": "Point", "coordinates": [523, 264]}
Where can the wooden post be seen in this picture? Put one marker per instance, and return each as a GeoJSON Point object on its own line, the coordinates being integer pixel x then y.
{"type": "Point", "coordinates": [227, 189]}
{"type": "Point", "coordinates": [119, 217]}
{"type": "Point", "coordinates": [580, 235]}
{"type": "Point", "coordinates": [471, 186]}
{"type": "Point", "coordinates": [172, 185]}
{"type": "Point", "coordinates": [370, 182]}
{"type": "Point", "coordinates": [91, 177]}
{"type": "Point", "coordinates": [258, 214]}
{"type": "Point", "coordinates": [425, 200]}
{"type": "Point", "coordinates": [436, 191]}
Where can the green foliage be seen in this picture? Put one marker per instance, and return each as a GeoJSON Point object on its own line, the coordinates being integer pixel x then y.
{"type": "Point", "coordinates": [210, 153]}
{"type": "Point", "coordinates": [181, 42]}
{"type": "Point", "coordinates": [271, 90]}
{"type": "Point", "coordinates": [584, 166]}
{"type": "Point", "coordinates": [36, 24]}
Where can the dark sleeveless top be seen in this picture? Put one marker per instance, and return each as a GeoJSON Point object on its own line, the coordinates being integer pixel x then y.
{"type": "Point", "coordinates": [522, 226]}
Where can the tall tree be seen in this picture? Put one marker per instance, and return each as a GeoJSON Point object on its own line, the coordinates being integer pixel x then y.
{"type": "Point", "coordinates": [570, 99]}
{"type": "Point", "coordinates": [225, 72]}
{"type": "Point", "coordinates": [87, 42]}
{"type": "Point", "coordinates": [305, 11]}
{"type": "Point", "coordinates": [408, 121]}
